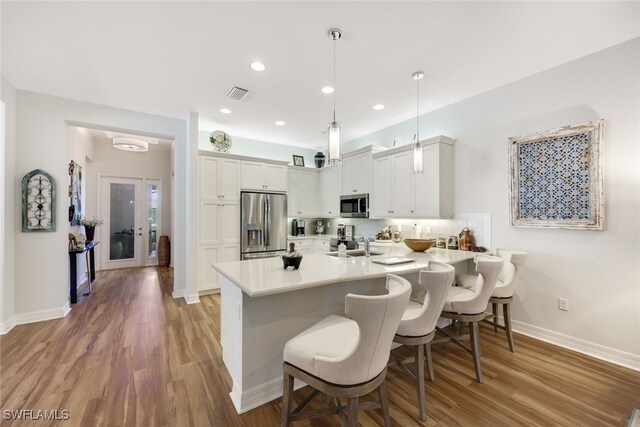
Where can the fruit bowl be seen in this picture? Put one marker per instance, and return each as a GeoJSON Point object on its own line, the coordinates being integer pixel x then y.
{"type": "Point", "coordinates": [419, 245]}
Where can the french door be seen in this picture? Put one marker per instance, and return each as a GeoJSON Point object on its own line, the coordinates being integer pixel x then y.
{"type": "Point", "coordinates": [122, 208]}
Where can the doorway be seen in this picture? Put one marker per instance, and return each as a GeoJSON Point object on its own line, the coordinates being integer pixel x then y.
{"type": "Point", "coordinates": [131, 208]}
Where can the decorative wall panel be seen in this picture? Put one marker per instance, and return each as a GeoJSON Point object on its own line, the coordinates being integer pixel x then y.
{"type": "Point", "coordinates": [557, 178]}
{"type": "Point", "coordinates": [38, 202]}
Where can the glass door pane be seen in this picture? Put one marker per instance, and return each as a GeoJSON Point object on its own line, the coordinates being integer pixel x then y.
{"type": "Point", "coordinates": [153, 203]}
{"type": "Point", "coordinates": [122, 221]}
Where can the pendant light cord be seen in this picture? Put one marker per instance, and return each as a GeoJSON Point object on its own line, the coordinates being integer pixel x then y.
{"type": "Point", "coordinates": [418, 111]}
{"type": "Point", "coordinates": [334, 80]}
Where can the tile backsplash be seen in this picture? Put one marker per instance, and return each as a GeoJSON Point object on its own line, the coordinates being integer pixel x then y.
{"type": "Point", "coordinates": [478, 223]}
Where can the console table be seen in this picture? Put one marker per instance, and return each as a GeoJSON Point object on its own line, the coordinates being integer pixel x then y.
{"type": "Point", "coordinates": [73, 267]}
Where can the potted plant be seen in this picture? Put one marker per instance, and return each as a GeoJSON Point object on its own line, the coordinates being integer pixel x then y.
{"type": "Point", "coordinates": [90, 225]}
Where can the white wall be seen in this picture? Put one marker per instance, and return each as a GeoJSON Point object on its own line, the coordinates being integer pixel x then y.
{"type": "Point", "coordinates": [599, 272]}
{"type": "Point", "coordinates": [262, 149]}
{"type": "Point", "coordinates": [11, 221]}
{"type": "Point", "coordinates": [81, 152]}
{"type": "Point", "coordinates": [155, 163]}
{"type": "Point", "coordinates": [42, 142]}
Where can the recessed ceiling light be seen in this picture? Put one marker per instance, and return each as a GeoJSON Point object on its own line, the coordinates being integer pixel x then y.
{"type": "Point", "coordinates": [327, 89]}
{"type": "Point", "coordinates": [280, 123]}
{"type": "Point", "coordinates": [225, 111]}
{"type": "Point", "coordinates": [257, 66]}
{"type": "Point", "coordinates": [378, 107]}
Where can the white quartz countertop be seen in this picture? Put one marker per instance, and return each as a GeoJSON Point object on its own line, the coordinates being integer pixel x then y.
{"type": "Point", "coordinates": [261, 277]}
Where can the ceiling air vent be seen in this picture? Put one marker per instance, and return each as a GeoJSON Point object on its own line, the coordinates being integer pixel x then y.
{"type": "Point", "coordinates": [237, 93]}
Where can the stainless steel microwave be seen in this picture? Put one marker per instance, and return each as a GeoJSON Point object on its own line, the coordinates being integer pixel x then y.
{"type": "Point", "coordinates": [354, 206]}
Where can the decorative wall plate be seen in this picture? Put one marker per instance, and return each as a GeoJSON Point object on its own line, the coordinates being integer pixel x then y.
{"type": "Point", "coordinates": [221, 141]}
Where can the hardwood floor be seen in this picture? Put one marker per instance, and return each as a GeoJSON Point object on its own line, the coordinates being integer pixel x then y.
{"type": "Point", "coordinates": [132, 355]}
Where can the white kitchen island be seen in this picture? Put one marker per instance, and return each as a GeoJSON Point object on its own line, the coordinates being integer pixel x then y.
{"type": "Point", "coordinates": [263, 306]}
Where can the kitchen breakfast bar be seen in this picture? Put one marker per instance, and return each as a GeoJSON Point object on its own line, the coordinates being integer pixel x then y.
{"type": "Point", "coordinates": [263, 306]}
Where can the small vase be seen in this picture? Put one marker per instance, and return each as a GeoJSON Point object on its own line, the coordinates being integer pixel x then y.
{"type": "Point", "coordinates": [319, 159]}
{"type": "Point", "coordinates": [90, 231]}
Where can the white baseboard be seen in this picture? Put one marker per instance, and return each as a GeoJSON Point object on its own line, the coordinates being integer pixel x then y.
{"type": "Point", "coordinates": [257, 396]}
{"type": "Point", "coordinates": [209, 291]}
{"type": "Point", "coordinates": [192, 298]}
{"type": "Point", "coordinates": [618, 357]}
{"type": "Point", "coordinates": [34, 316]}
{"type": "Point", "coordinates": [178, 293]}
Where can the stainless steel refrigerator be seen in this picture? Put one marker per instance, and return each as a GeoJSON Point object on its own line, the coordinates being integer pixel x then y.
{"type": "Point", "coordinates": [263, 224]}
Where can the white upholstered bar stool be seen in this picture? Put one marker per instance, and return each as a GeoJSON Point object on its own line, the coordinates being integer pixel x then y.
{"type": "Point", "coordinates": [418, 325]}
{"type": "Point", "coordinates": [346, 357]}
{"type": "Point", "coordinates": [468, 305]}
{"type": "Point", "coordinates": [514, 261]}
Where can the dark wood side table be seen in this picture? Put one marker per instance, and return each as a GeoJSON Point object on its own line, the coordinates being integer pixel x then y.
{"type": "Point", "coordinates": [73, 266]}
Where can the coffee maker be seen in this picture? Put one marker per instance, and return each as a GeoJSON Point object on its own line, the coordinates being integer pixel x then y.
{"type": "Point", "coordinates": [298, 227]}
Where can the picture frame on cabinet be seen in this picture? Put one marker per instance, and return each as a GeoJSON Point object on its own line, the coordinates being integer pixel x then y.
{"type": "Point", "coordinates": [556, 178]}
{"type": "Point", "coordinates": [298, 160]}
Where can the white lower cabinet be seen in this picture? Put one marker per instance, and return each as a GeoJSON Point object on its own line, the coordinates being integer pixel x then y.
{"type": "Point", "coordinates": [322, 245]}
{"type": "Point", "coordinates": [208, 277]}
{"type": "Point", "coordinates": [304, 246]}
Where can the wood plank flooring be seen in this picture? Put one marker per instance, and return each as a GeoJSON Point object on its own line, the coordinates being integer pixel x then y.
{"type": "Point", "coordinates": [130, 354]}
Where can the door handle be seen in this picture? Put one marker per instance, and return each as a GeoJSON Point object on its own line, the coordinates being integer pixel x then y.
{"type": "Point", "coordinates": [139, 234]}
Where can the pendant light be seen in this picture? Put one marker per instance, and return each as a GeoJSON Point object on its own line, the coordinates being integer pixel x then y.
{"type": "Point", "coordinates": [417, 149]}
{"type": "Point", "coordinates": [334, 128]}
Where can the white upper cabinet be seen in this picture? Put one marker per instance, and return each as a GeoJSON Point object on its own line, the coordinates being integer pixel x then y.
{"type": "Point", "coordinates": [302, 200]}
{"type": "Point", "coordinates": [433, 188]}
{"type": "Point", "coordinates": [330, 186]}
{"type": "Point", "coordinates": [356, 171]}
{"type": "Point", "coordinates": [263, 176]}
{"type": "Point", "coordinates": [276, 177]}
{"type": "Point", "coordinates": [393, 185]}
{"type": "Point", "coordinates": [219, 179]}
{"type": "Point", "coordinates": [399, 193]}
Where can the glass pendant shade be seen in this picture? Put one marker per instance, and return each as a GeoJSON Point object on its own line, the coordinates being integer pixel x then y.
{"type": "Point", "coordinates": [334, 143]}
{"type": "Point", "coordinates": [417, 158]}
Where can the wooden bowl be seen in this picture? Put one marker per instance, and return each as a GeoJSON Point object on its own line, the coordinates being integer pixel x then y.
{"type": "Point", "coordinates": [419, 245]}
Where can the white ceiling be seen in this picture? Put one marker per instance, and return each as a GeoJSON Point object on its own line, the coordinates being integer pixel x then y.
{"type": "Point", "coordinates": [170, 58]}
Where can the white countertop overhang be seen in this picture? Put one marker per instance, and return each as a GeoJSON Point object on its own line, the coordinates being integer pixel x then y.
{"type": "Point", "coordinates": [262, 277]}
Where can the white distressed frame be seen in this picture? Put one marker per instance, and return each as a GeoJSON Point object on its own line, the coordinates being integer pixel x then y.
{"type": "Point", "coordinates": [596, 179]}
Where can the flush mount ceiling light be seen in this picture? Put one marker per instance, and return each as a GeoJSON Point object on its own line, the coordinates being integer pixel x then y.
{"type": "Point", "coordinates": [327, 89]}
{"type": "Point", "coordinates": [334, 128]}
{"type": "Point", "coordinates": [257, 66]}
{"type": "Point", "coordinates": [417, 149]}
{"type": "Point", "coordinates": [378, 107]}
{"type": "Point", "coordinates": [280, 123]}
{"type": "Point", "coordinates": [130, 144]}
{"type": "Point", "coordinates": [225, 111]}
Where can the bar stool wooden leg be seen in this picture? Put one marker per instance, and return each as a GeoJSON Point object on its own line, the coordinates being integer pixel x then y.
{"type": "Point", "coordinates": [384, 403]}
{"type": "Point", "coordinates": [507, 325]}
{"type": "Point", "coordinates": [475, 349]}
{"type": "Point", "coordinates": [287, 399]}
{"type": "Point", "coordinates": [420, 381]}
{"type": "Point", "coordinates": [353, 411]}
{"type": "Point", "coordinates": [432, 375]}
{"type": "Point", "coordinates": [495, 316]}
